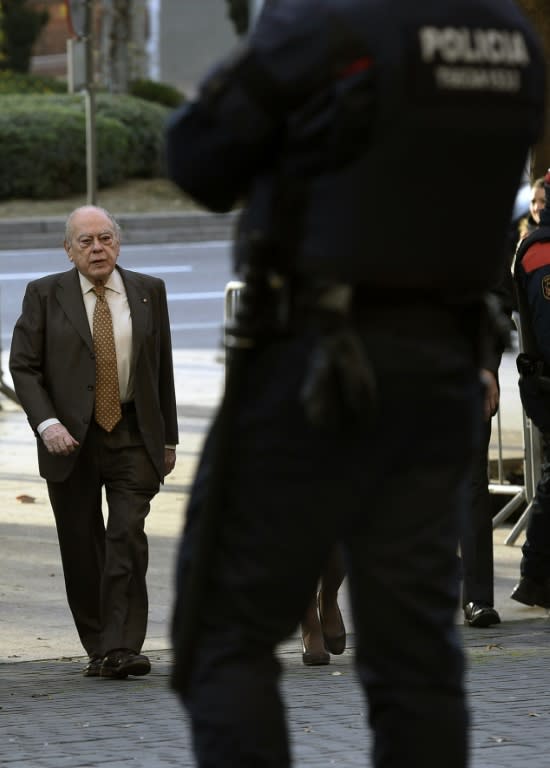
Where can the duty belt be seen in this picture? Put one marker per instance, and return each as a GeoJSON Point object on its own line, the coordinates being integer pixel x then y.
{"type": "Point", "coordinates": [339, 388]}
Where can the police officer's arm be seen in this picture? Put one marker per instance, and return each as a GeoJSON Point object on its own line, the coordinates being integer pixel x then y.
{"type": "Point", "coordinates": [231, 133]}
{"type": "Point", "coordinates": [216, 143]}
{"type": "Point", "coordinates": [491, 353]}
{"type": "Point", "coordinates": [495, 332]}
{"type": "Point", "coordinates": [492, 393]}
{"type": "Point", "coordinates": [533, 275]}
{"type": "Point", "coordinates": [492, 346]}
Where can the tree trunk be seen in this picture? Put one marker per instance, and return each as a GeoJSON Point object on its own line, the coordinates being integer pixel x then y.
{"type": "Point", "coordinates": [123, 55]}
{"type": "Point", "coordinates": [138, 63]}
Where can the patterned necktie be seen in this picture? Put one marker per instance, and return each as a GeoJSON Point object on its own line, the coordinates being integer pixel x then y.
{"type": "Point", "coordinates": [107, 397]}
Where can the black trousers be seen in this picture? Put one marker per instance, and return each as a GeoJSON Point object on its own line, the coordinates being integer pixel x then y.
{"type": "Point", "coordinates": [105, 566]}
{"type": "Point", "coordinates": [393, 492]}
{"type": "Point", "coordinates": [476, 543]}
{"type": "Point", "coordinates": [535, 563]}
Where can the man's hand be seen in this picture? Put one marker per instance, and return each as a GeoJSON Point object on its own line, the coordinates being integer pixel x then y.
{"type": "Point", "coordinates": [169, 460]}
{"type": "Point", "coordinates": [58, 440]}
{"type": "Point", "coordinates": [490, 402]}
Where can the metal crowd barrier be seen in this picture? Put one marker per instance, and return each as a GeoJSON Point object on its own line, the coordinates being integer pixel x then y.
{"type": "Point", "coordinates": [531, 468]}
{"type": "Point", "coordinates": [231, 301]}
{"type": "Point", "coordinates": [521, 494]}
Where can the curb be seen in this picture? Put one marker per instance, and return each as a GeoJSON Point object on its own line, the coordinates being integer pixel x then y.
{"type": "Point", "coordinates": [148, 228]}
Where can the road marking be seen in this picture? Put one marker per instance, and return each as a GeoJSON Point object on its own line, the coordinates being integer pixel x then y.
{"type": "Point", "coordinates": [162, 270]}
{"type": "Point", "coordinates": [196, 296]}
{"type": "Point", "coordinates": [194, 326]}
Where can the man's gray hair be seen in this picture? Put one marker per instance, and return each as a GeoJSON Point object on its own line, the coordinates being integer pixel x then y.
{"type": "Point", "coordinates": [69, 222]}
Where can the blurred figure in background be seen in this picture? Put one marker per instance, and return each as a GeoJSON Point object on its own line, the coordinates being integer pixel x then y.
{"type": "Point", "coordinates": [476, 542]}
{"type": "Point", "coordinates": [536, 204]}
{"type": "Point", "coordinates": [323, 630]}
{"type": "Point", "coordinates": [532, 275]}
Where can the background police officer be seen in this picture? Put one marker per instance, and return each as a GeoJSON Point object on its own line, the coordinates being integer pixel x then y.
{"type": "Point", "coordinates": [359, 400]}
{"type": "Point", "coordinates": [532, 275]}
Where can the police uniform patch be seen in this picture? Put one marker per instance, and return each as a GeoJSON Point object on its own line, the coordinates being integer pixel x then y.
{"type": "Point", "coordinates": [468, 64]}
{"type": "Point", "coordinates": [536, 256]}
{"type": "Point", "coordinates": [546, 287]}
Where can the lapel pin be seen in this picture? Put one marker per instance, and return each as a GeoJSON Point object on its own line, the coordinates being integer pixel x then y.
{"type": "Point", "coordinates": [144, 301]}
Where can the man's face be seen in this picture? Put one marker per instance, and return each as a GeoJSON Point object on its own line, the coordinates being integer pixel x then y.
{"type": "Point", "coordinates": [94, 246]}
{"type": "Point", "coordinates": [538, 199]}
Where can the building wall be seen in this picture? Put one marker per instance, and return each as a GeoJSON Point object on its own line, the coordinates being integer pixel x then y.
{"type": "Point", "coordinates": [54, 35]}
{"type": "Point", "coordinates": [184, 38]}
{"type": "Point", "coordinates": [50, 49]}
{"type": "Point", "coordinates": [192, 34]}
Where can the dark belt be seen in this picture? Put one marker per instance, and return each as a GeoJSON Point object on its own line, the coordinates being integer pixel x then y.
{"type": "Point", "coordinates": [129, 407]}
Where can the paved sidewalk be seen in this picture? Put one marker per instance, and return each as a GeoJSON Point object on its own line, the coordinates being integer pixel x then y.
{"type": "Point", "coordinates": [52, 717]}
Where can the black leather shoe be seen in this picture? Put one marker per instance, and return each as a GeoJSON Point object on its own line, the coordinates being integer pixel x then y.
{"type": "Point", "coordinates": [531, 592]}
{"type": "Point", "coordinates": [122, 662]}
{"type": "Point", "coordinates": [93, 666]}
{"type": "Point", "coordinates": [480, 615]}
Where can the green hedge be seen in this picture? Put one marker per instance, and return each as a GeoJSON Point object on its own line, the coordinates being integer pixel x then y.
{"type": "Point", "coordinates": [43, 153]}
{"type": "Point", "coordinates": [43, 143]}
{"type": "Point", "coordinates": [146, 122]}
{"type": "Point", "coordinates": [17, 82]}
{"type": "Point", "coordinates": [161, 93]}
{"type": "Point", "coordinates": [149, 90]}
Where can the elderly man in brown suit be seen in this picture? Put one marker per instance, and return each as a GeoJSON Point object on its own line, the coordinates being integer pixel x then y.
{"type": "Point", "coordinates": [91, 361]}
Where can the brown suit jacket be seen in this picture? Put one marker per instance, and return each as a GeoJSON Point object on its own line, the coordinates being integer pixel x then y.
{"type": "Point", "coordinates": [52, 363]}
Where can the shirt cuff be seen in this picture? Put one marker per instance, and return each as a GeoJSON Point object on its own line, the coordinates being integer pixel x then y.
{"type": "Point", "coordinates": [45, 424]}
{"type": "Point", "coordinates": [170, 447]}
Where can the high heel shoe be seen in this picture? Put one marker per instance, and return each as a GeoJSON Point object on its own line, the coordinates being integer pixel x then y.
{"type": "Point", "coordinates": [336, 644]}
{"type": "Point", "coordinates": [314, 651]}
{"type": "Point", "coordinates": [314, 658]}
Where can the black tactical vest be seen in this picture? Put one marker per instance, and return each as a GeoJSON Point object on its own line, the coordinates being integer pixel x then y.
{"type": "Point", "coordinates": [456, 100]}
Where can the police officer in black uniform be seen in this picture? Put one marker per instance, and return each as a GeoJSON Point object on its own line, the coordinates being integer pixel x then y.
{"type": "Point", "coordinates": [532, 275]}
{"type": "Point", "coordinates": [476, 541]}
{"type": "Point", "coordinates": [357, 395]}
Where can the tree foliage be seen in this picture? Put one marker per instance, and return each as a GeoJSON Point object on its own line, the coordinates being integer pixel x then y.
{"type": "Point", "coordinates": [20, 27]}
{"type": "Point", "coordinates": [239, 14]}
{"type": "Point", "coordinates": [1, 35]}
{"type": "Point", "coordinates": [538, 12]}
{"type": "Point", "coordinates": [122, 43]}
